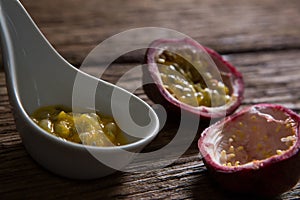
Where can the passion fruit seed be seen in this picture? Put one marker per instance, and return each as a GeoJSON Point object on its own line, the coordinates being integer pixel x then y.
{"type": "Point", "coordinates": [177, 85]}
{"type": "Point", "coordinates": [46, 125]}
{"type": "Point", "coordinates": [234, 154]}
{"type": "Point", "coordinates": [184, 78]}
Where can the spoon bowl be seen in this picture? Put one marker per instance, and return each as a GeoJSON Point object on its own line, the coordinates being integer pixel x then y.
{"type": "Point", "coordinates": [38, 76]}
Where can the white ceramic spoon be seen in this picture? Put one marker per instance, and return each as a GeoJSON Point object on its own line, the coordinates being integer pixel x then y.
{"type": "Point", "coordinates": [38, 76]}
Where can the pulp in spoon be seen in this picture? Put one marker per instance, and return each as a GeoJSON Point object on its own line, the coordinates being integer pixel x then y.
{"type": "Point", "coordinates": [83, 128]}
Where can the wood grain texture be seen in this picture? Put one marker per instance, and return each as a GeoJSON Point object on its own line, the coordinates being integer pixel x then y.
{"type": "Point", "coordinates": [186, 178]}
{"type": "Point", "coordinates": [261, 38]}
{"type": "Point", "coordinates": [75, 28]}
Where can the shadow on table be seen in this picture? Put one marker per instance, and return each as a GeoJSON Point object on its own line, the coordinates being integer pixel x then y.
{"type": "Point", "coordinates": [206, 188]}
{"type": "Point", "coordinates": [22, 178]}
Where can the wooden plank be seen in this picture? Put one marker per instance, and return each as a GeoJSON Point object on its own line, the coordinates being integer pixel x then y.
{"type": "Point", "coordinates": [75, 28]}
{"type": "Point", "coordinates": [266, 80]}
{"type": "Point", "coordinates": [270, 77]}
{"type": "Point", "coordinates": [260, 37]}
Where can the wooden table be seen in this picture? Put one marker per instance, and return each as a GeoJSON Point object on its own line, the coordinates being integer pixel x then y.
{"type": "Point", "coordinates": [260, 37]}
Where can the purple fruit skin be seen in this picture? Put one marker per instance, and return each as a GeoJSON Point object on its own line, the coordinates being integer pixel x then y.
{"type": "Point", "coordinates": [158, 94]}
{"type": "Point", "coordinates": [277, 175]}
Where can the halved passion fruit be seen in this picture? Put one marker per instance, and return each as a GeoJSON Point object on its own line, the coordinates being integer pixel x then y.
{"type": "Point", "coordinates": [254, 151]}
{"type": "Point", "coordinates": [183, 74]}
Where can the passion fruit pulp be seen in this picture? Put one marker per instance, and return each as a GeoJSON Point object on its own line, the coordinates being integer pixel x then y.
{"type": "Point", "coordinates": [181, 74]}
{"type": "Point", "coordinates": [254, 151]}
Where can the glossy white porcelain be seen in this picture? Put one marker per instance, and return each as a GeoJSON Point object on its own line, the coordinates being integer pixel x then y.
{"type": "Point", "coordinates": [38, 76]}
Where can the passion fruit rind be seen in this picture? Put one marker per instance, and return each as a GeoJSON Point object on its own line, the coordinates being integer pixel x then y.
{"type": "Point", "coordinates": [159, 93]}
{"type": "Point", "coordinates": [272, 150]}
